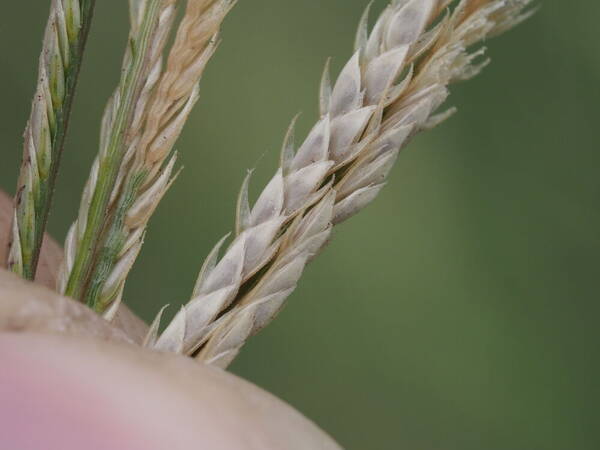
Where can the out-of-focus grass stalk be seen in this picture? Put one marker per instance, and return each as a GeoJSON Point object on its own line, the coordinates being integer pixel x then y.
{"type": "Point", "coordinates": [60, 62]}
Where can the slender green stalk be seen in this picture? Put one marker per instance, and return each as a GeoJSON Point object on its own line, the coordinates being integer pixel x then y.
{"type": "Point", "coordinates": [133, 170]}
{"type": "Point", "coordinates": [115, 248]}
{"type": "Point", "coordinates": [143, 54]}
{"type": "Point", "coordinates": [60, 62]}
{"type": "Point", "coordinates": [147, 172]}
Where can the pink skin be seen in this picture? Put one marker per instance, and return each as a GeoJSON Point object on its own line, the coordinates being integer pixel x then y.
{"type": "Point", "coordinates": [60, 393]}
{"type": "Point", "coordinates": [37, 412]}
{"type": "Point", "coordinates": [70, 381]}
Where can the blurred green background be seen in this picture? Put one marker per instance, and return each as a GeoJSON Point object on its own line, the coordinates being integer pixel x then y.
{"type": "Point", "coordinates": [460, 311]}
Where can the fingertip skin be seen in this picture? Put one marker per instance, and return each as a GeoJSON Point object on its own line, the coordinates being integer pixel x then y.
{"type": "Point", "coordinates": [43, 406]}
{"type": "Point", "coordinates": [71, 381]}
{"type": "Point", "coordinates": [60, 393]}
{"type": "Point", "coordinates": [30, 307]}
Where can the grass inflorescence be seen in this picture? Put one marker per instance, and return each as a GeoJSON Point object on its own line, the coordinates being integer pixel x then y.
{"type": "Point", "coordinates": [391, 89]}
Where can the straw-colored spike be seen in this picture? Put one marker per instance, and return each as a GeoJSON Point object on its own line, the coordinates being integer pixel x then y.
{"type": "Point", "coordinates": [140, 166]}
{"type": "Point", "coordinates": [362, 32]}
{"type": "Point", "coordinates": [388, 91]}
{"type": "Point", "coordinates": [288, 149]}
{"type": "Point", "coordinates": [242, 218]}
{"type": "Point", "coordinates": [152, 334]}
{"type": "Point", "coordinates": [325, 89]}
{"type": "Point", "coordinates": [151, 21]}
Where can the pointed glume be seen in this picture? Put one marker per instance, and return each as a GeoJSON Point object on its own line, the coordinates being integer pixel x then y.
{"type": "Point", "coordinates": [386, 93]}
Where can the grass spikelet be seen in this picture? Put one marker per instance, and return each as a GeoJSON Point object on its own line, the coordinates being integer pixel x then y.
{"type": "Point", "coordinates": [145, 171]}
{"type": "Point", "coordinates": [151, 22]}
{"type": "Point", "coordinates": [388, 91]}
{"type": "Point", "coordinates": [60, 61]}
